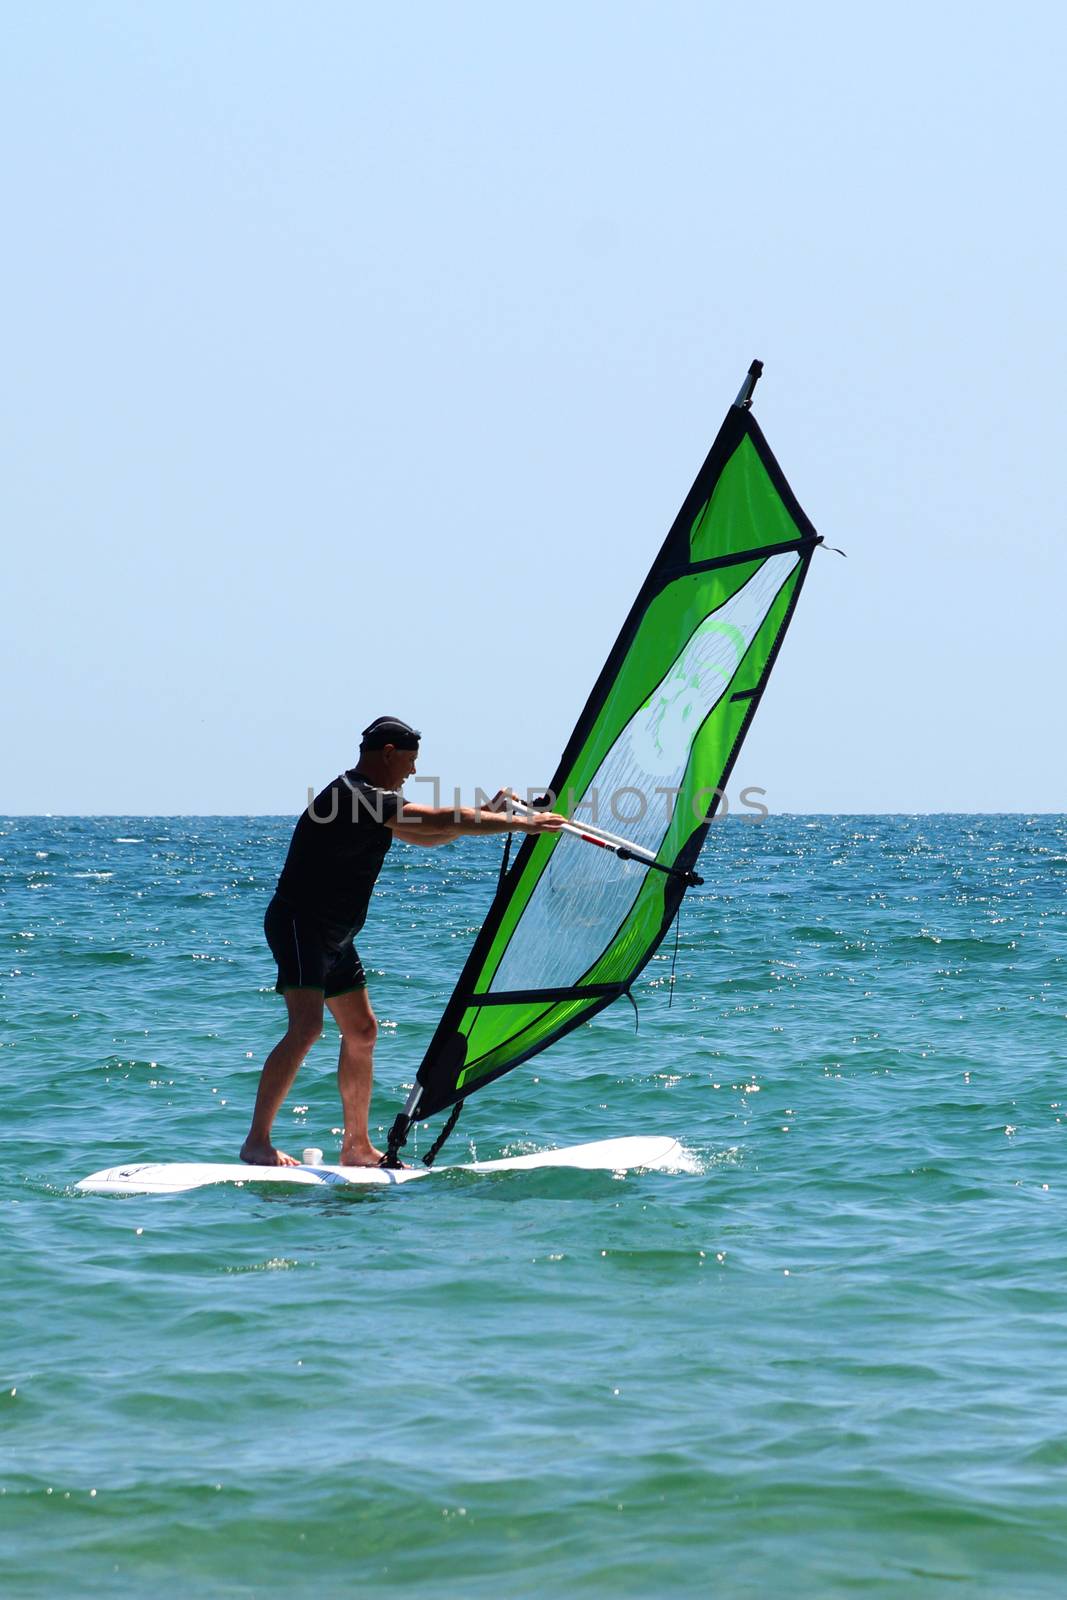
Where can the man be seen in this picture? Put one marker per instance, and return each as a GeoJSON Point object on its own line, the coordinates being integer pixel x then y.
{"type": "Point", "coordinates": [336, 853]}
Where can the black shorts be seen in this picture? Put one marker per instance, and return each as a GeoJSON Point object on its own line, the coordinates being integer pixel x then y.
{"type": "Point", "coordinates": [307, 958]}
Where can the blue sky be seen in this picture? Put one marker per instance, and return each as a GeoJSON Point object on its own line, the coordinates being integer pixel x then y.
{"type": "Point", "coordinates": [358, 359]}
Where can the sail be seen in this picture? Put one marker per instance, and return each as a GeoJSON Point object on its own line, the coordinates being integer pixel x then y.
{"type": "Point", "coordinates": [571, 927]}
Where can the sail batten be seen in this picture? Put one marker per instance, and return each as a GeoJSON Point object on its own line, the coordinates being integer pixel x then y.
{"type": "Point", "coordinates": [739, 558]}
{"type": "Point", "coordinates": [572, 926]}
{"type": "Point", "coordinates": [510, 997]}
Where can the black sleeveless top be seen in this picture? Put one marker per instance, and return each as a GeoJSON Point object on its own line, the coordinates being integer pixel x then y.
{"type": "Point", "coordinates": [336, 854]}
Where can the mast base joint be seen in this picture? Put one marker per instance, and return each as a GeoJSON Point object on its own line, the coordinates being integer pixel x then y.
{"type": "Point", "coordinates": [398, 1138]}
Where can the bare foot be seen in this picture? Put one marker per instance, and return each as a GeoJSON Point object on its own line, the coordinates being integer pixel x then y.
{"type": "Point", "coordinates": [263, 1154]}
{"type": "Point", "coordinates": [361, 1155]}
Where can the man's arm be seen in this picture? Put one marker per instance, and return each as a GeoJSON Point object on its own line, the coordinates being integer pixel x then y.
{"type": "Point", "coordinates": [433, 825]}
{"type": "Point", "coordinates": [425, 829]}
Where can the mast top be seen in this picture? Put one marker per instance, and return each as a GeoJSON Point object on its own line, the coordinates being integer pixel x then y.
{"type": "Point", "coordinates": [752, 377]}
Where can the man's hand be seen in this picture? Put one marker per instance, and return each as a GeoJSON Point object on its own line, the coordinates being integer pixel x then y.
{"type": "Point", "coordinates": [539, 822]}
{"type": "Point", "coordinates": [499, 802]}
{"type": "Point", "coordinates": [524, 820]}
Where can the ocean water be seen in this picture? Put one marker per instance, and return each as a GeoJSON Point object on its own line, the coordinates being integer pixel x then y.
{"type": "Point", "coordinates": [832, 1361]}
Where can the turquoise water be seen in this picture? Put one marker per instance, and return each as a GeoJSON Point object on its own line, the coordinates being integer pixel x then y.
{"type": "Point", "coordinates": [830, 1364]}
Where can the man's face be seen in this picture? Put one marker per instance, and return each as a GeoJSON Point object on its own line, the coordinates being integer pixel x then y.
{"type": "Point", "coordinates": [401, 765]}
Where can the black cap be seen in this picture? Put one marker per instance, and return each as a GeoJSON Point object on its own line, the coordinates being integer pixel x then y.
{"type": "Point", "coordinates": [390, 730]}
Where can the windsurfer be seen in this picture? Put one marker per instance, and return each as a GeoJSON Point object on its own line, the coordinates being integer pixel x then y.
{"type": "Point", "coordinates": [335, 855]}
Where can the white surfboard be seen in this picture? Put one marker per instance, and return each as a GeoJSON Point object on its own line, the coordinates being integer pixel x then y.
{"type": "Point", "coordinates": [657, 1154]}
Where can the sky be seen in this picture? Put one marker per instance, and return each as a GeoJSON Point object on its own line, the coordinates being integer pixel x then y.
{"type": "Point", "coordinates": [358, 358]}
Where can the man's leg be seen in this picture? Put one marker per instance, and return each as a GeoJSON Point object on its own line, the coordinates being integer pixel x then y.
{"type": "Point", "coordinates": [281, 1067]}
{"type": "Point", "coordinates": [355, 1072]}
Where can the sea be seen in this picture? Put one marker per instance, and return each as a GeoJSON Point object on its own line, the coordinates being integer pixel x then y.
{"type": "Point", "coordinates": [829, 1360]}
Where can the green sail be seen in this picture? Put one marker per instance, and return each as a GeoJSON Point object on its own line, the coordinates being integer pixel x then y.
{"type": "Point", "coordinates": [571, 927]}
